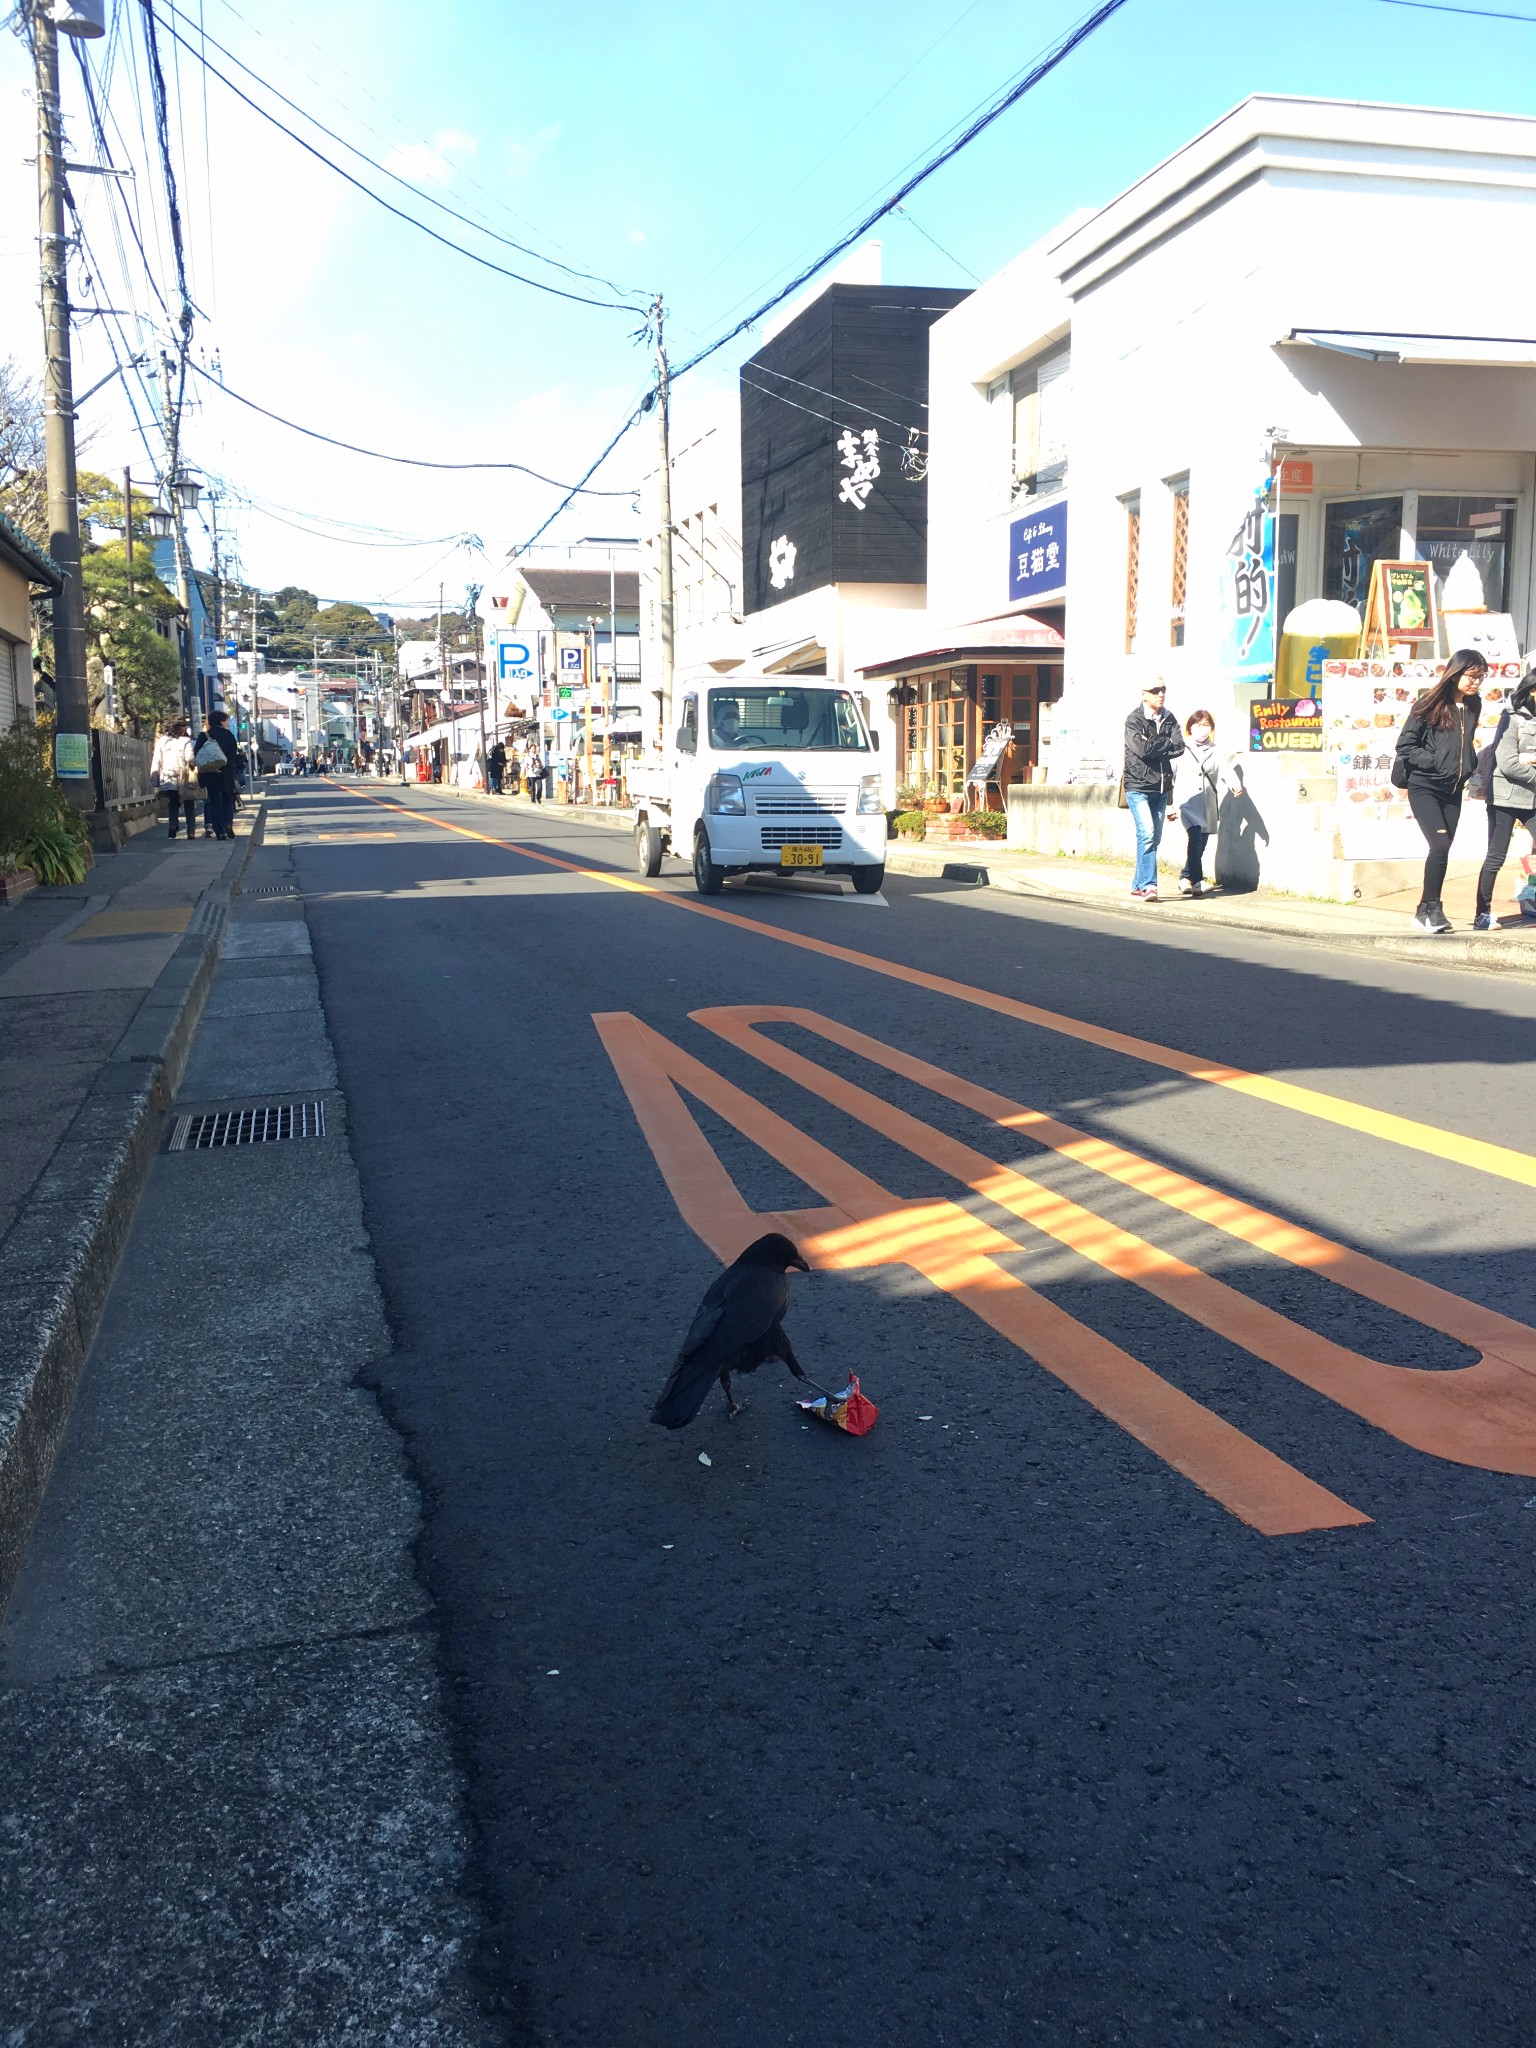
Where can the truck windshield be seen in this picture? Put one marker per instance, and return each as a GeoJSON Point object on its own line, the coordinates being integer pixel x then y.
{"type": "Point", "coordinates": [787, 720]}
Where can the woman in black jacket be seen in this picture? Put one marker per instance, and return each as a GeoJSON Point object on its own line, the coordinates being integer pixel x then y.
{"type": "Point", "coordinates": [1438, 748]}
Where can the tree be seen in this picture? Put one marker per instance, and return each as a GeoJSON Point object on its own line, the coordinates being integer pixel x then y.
{"type": "Point", "coordinates": [134, 627]}
{"type": "Point", "coordinates": [426, 628]}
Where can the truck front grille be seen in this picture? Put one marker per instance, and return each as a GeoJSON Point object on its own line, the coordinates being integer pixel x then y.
{"type": "Point", "coordinates": [775, 836]}
{"type": "Point", "coordinates": [825, 803]}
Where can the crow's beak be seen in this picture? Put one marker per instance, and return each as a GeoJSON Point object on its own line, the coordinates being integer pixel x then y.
{"type": "Point", "coordinates": [797, 1266]}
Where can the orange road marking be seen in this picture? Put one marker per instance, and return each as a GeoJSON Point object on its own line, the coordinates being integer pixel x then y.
{"type": "Point", "coordinates": [1502, 1161]}
{"type": "Point", "coordinates": [866, 1225]}
{"type": "Point", "coordinates": [1482, 1415]}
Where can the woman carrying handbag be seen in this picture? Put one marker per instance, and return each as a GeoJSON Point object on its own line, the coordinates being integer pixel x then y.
{"type": "Point", "coordinates": [1436, 753]}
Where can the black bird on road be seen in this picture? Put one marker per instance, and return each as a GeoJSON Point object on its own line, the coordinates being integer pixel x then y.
{"type": "Point", "coordinates": [736, 1329]}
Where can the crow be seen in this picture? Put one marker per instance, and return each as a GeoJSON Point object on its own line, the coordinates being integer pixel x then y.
{"type": "Point", "coordinates": [736, 1329]}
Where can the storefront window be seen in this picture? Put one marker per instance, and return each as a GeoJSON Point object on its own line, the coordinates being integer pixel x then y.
{"type": "Point", "coordinates": [1355, 535]}
{"type": "Point", "coordinates": [1468, 541]}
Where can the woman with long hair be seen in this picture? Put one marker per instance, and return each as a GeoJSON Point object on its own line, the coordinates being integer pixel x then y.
{"type": "Point", "coordinates": [1511, 792]}
{"type": "Point", "coordinates": [1438, 748]}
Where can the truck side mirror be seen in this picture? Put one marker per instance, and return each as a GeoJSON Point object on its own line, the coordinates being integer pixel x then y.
{"type": "Point", "coordinates": [687, 740]}
{"type": "Point", "coordinates": [874, 739]}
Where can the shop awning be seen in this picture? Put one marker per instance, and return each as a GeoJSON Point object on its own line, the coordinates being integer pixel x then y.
{"type": "Point", "coordinates": [1492, 351]}
{"type": "Point", "coordinates": [1021, 637]}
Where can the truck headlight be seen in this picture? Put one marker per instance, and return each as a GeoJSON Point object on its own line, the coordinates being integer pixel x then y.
{"type": "Point", "coordinates": [725, 797]}
{"type": "Point", "coordinates": [870, 798]}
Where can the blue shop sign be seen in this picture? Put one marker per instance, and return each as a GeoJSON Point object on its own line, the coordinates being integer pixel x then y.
{"type": "Point", "coordinates": [1037, 553]}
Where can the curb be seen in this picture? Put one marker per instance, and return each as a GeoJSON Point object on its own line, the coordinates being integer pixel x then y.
{"type": "Point", "coordinates": [59, 1256]}
{"type": "Point", "coordinates": [1484, 954]}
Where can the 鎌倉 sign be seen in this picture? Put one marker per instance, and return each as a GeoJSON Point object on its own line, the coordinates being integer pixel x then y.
{"type": "Point", "coordinates": [1285, 725]}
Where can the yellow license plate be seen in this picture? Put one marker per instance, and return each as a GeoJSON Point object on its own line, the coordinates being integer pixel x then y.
{"type": "Point", "coordinates": [799, 856]}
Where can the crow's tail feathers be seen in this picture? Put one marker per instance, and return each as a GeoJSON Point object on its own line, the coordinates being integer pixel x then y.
{"type": "Point", "coordinates": [682, 1398]}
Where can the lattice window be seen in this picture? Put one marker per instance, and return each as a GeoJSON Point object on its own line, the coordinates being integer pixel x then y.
{"type": "Point", "coordinates": [1180, 561]}
{"type": "Point", "coordinates": [1132, 567]}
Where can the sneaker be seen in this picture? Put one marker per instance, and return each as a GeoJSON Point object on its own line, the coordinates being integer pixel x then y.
{"type": "Point", "coordinates": [1186, 887]}
{"type": "Point", "coordinates": [1149, 895]}
{"type": "Point", "coordinates": [1433, 921]}
{"type": "Point", "coordinates": [1485, 921]}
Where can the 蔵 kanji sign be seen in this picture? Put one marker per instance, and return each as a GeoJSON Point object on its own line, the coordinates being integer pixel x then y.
{"type": "Point", "coordinates": [1037, 553]}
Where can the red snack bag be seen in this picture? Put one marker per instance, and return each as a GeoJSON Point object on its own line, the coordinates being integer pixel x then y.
{"type": "Point", "coordinates": [848, 1409]}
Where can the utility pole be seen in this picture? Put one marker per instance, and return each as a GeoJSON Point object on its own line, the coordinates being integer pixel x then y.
{"type": "Point", "coordinates": [446, 698]}
{"type": "Point", "coordinates": [471, 603]}
{"type": "Point", "coordinates": [183, 575]}
{"type": "Point", "coordinates": [589, 664]}
{"type": "Point", "coordinates": [72, 744]}
{"type": "Point", "coordinates": [128, 530]}
{"type": "Point", "coordinates": [664, 538]}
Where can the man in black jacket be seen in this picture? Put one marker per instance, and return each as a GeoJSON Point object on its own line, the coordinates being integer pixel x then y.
{"type": "Point", "coordinates": [1152, 744]}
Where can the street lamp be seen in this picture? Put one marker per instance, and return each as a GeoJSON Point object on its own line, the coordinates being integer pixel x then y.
{"type": "Point", "coordinates": [161, 524]}
{"type": "Point", "coordinates": [186, 489]}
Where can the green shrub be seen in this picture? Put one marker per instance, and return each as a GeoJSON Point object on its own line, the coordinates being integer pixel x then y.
{"type": "Point", "coordinates": [990, 824]}
{"type": "Point", "coordinates": [912, 824]}
{"type": "Point", "coordinates": [39, 826]}
{"type": "Point", "coordinates": [908, 797]}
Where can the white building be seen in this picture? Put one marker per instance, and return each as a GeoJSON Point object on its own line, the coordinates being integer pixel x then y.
{"type": "Point", "coordinates": [1329, 292]}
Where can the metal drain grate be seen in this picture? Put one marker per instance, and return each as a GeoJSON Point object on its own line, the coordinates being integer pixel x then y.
{"type": "Point", "coordinates": [248, 1126]}
{"type": "Point", "coordinates": [270, 889]}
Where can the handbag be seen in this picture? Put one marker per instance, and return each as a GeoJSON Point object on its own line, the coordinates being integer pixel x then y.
{"type": "Point", "coordinates": [1122, 801]}
{"type": "Point", "coordinates": [210, 754]}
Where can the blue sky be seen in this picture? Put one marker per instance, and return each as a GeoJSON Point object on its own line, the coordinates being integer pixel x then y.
{"type": "Point", "coordinates": [705, 150]}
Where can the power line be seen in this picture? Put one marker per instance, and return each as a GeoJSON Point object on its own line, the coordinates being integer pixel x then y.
{"type": "Point", "coordinates": [904, 425]}
{"type": "Point", "coordinates": [442, 206]}
{"type": "Point", "coordinates": [163, 136]}
{"type": "Point", "coordinates": [409, 461]}
{"type": "Point", "coordinates": [1014, 93]}
{"type": "Point", "coordinates": [1477, 13]}
{"type": "Point", "coordinates": [500, 269]}
{"type": "Point", "coordinates": [639, 412]}
{"type": "Point", "coordinates": [912, 221]}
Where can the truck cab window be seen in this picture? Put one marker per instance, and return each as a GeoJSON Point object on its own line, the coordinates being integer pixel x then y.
{"type": "Point", "coordinates": [688, 731]}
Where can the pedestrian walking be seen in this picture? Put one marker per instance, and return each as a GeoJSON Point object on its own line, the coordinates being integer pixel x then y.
{"type": "Point", "coordinates": [1510, 788]}
{"type": "Point", "coordinates": [175, 774]}
{"type": "Point", "coordinates": [1436, 753]}
{"type": "Point", "coordinates": [1197, 796]}
{"type": "Point", "coordinates": [536, 769]}
{"type": "Point", "coordinates": [218, 777]}
{"type": "Point", "coordinates": [496, 764]}
{"type": "Point", "coordinates": [1153, 743]}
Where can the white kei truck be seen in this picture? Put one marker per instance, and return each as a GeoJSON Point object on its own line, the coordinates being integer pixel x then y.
{"type": "Point", "coordinates": [764, 775]}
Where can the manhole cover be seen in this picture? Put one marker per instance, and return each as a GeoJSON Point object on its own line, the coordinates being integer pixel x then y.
{"type": "Point", "coordinates": [264, 1126]}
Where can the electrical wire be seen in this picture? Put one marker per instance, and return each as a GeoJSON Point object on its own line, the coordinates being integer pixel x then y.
{"type": "Point", "coordinates": [500, 269]}
{"type": "Point", "coordinates": [1037, 72]}
{"type": "Point", "coordinates": [905, 425]}
{"type": "Point", "coordinates": [168, 173]}
{"type": "Point", "coordinates": [507, 241]}
{"type": "Point", "coordinates": [579, 488]}
{"type": "Point", "coordinates": [382, 455]}
{"type": "Point", "coordinates": [1477, 13]}
{"type": "Point", "coordinates": [912, 221]}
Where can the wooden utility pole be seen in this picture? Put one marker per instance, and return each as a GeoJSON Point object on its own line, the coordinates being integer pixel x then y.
{"type": "Point", "coordinates": [446, 699]}
{"type": "Point", "coordinates": [183, 572]}
{"type": "Point", "coordinates": [664, 512]}
{"type": "Point", "coordinates": [72, 745]}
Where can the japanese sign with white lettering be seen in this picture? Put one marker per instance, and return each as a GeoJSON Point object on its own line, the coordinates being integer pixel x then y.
{"type": "Point", "coordinates": [1037, 554]}
{"type": "Point", "coordinates": [1248, 595]}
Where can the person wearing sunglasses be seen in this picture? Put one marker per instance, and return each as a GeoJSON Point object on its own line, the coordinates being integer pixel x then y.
{"type": "Point", "coordinates": [1153, 743]}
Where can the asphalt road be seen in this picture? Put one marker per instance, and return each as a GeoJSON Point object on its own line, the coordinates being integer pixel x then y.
{"type": "Point", "coordinates": [1175, 1686]}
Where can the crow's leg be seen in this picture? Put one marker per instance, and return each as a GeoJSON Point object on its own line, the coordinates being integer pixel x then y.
{"type": "Point", "coordinates": [786, 1351]}
{"type": "Point", "coordinates": [732, 1405]}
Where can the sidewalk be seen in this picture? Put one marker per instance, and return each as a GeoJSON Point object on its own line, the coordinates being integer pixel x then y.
{"type": "Point", "coordinates": [1384, 927]}
{"type": "Point", "coordinates": [101, 987]}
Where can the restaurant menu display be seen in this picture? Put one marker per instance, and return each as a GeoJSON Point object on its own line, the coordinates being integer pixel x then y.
{"type": "Point", "coordinates": [1364, 704]}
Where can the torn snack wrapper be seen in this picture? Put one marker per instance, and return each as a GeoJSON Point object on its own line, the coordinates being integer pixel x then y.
{"type": "Point", "coordinates": [847, 1409]}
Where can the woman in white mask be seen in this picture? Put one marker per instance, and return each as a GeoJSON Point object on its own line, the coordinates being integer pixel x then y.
{"type": "Point", "coordinates": [1197, 796]}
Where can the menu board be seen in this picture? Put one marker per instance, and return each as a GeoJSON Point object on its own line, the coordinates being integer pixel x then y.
{"type": "Point", "coordinates": [1364, 705]}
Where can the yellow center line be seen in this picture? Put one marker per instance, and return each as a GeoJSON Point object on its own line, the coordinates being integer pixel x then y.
{"type": "Point", "coordinates": [1501, 1161]}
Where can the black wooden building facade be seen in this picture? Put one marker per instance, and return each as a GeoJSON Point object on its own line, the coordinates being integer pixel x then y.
{"type": "Point", "coordinates": [829, 490]}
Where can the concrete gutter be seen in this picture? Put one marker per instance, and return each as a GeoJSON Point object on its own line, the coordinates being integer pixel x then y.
{"type": "Point", "coordinates": [58, 1258]}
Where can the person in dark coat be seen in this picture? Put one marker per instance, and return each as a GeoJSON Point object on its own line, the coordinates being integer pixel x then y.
{"type": "Point", "coordinates": [218, 784]}
{"type": "Point", "coordinates": [1153, 743]}
{"type": "Point", "coordinates": [1437, 747]}
{"type": "Point", "coordinates": [496, 767]}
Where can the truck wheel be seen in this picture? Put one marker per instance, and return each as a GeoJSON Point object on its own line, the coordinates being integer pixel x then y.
{"type": "Point", "coordinates": [647, 849]}
{"type": "Point", "coordinates": [869, 881]}
{"type": "Point", "coordinates": [707, 878]}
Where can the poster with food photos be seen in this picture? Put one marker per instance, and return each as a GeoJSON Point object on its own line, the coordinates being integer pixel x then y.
{"type": "Point", "coordinates": [1364, 705]}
